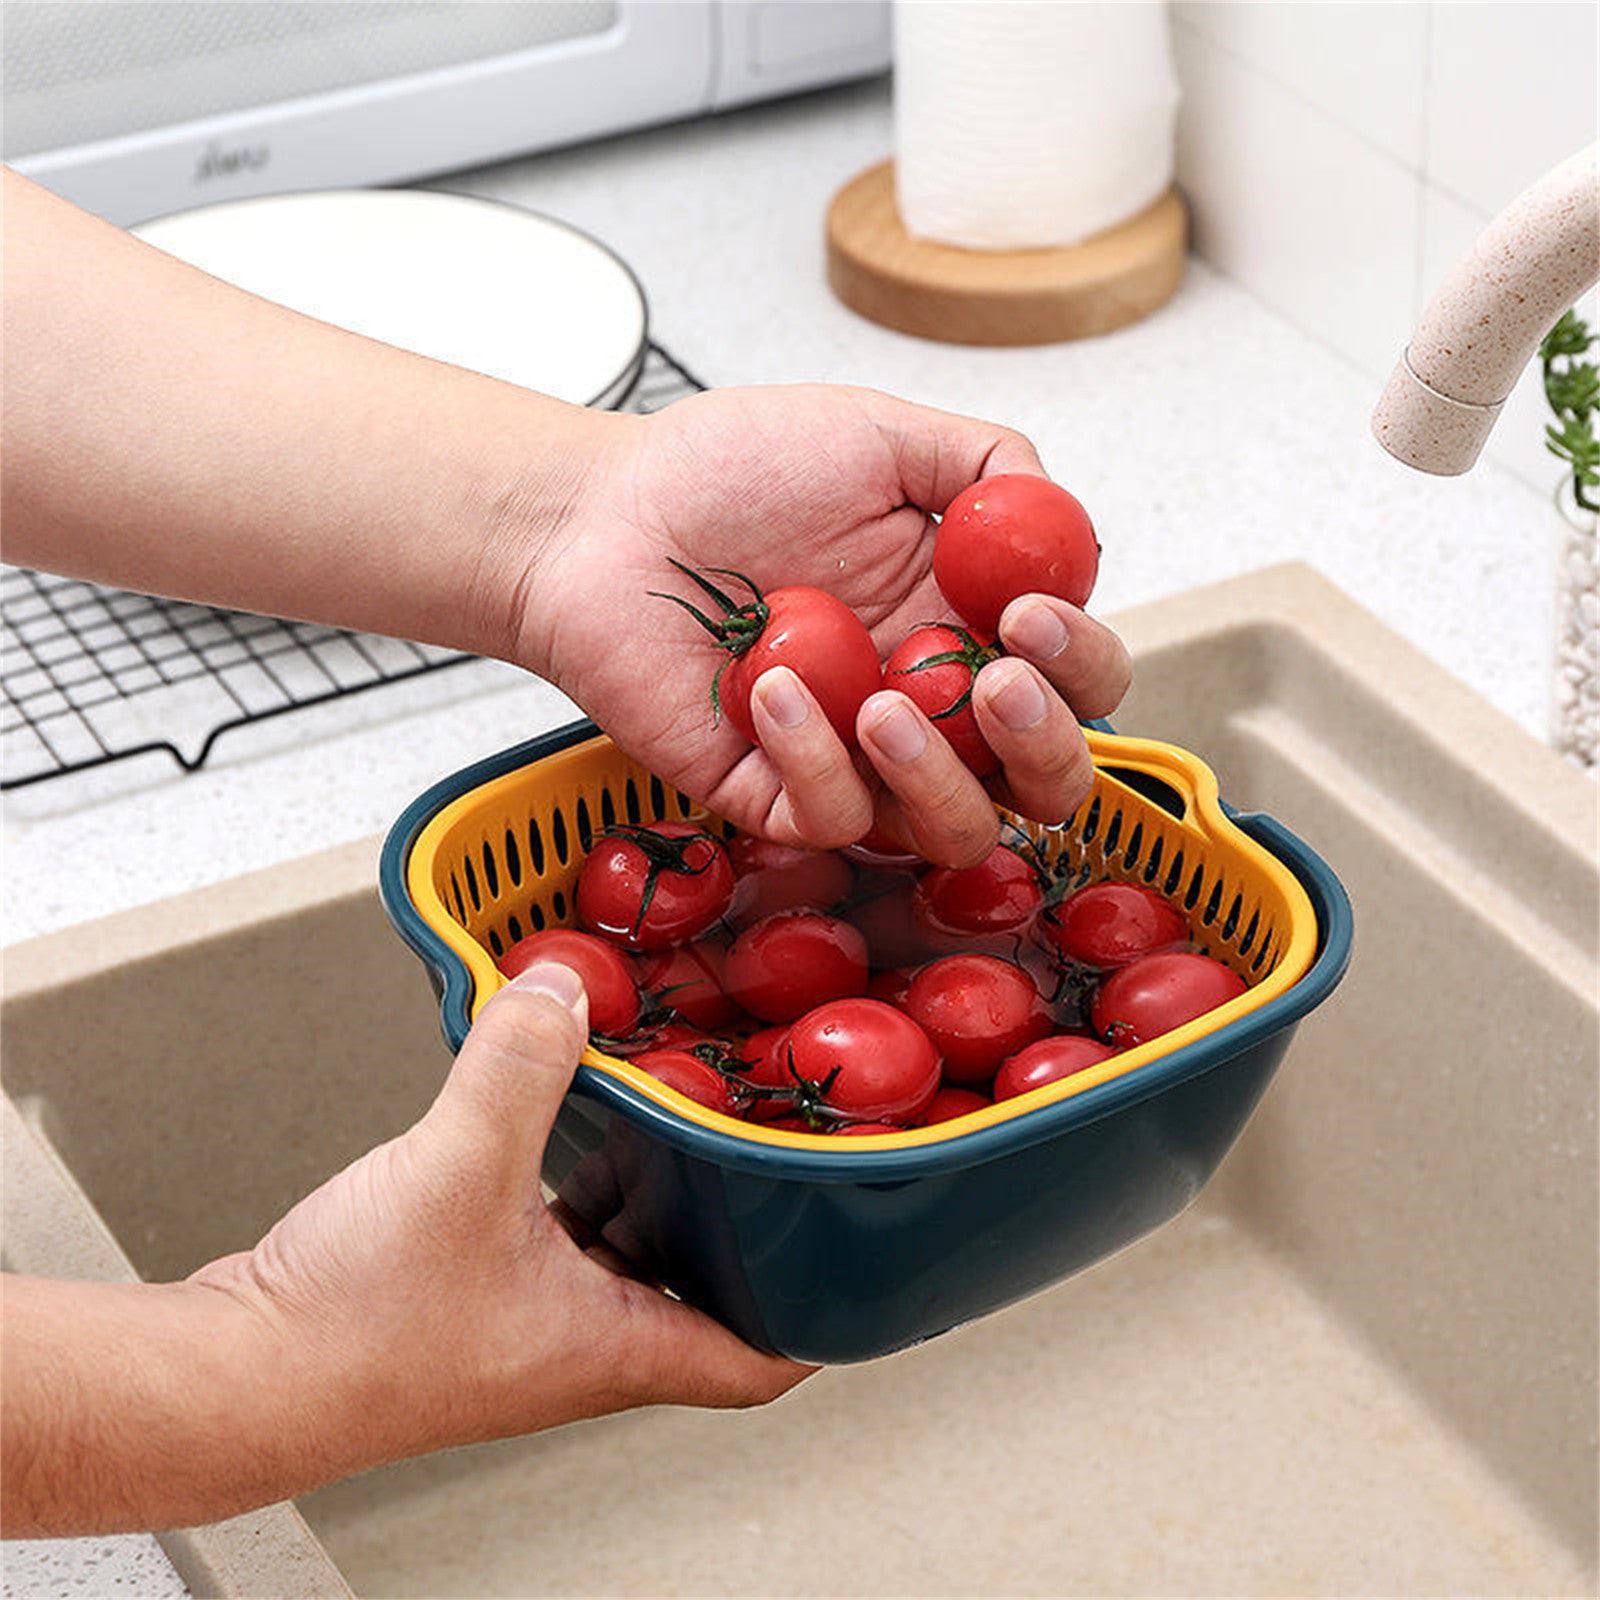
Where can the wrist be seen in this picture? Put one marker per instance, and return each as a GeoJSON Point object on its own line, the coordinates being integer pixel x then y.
{"type": "Point", "coordinates": [533, 507]}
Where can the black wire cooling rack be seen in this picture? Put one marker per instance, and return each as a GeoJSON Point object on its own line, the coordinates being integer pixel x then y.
{"type": "Point", "coordinates": [90, 675]}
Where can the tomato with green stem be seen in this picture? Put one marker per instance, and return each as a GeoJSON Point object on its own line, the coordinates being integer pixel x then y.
{"type": "Point", "coordinates": [692, 1077]}
{"type": "Point", "coordinates": [652, 886]}
{"type": "Point", "coordinates": [860, 1060]}
{"type": "Point", "coordinates": [687, 980]}
{"type": "Point", "coordinates": [1002, 894]}
{"type": "Point", "coordinates": [813, 633]}
{"type": "Point", "coordinates": [1157, 993]}
{"type": "Point", "coordinates": [935, 666]}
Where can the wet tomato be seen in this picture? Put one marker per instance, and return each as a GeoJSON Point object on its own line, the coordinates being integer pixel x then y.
{"type": "Point", "coordinates": [1047, 1061]}
{"type": "Point", "coordinates": [789, 963]}
{"type": "Point", "coordinates": [891, 986]}
{"type": "Point", "coordinates": [1002, 894]}
{"type": "Point", "coordinates": [950, 1103]}
{"type": "Point", "coordinates": [1012, 535]}
{"type": "Point", "coordinates": [1107, 925]}
{"type": "Point", "coordinates": [813, 633]}
{"type": "Point", "coordinates": [977, 1010]}
{"type": "Point", "coordinates": [651, 887]}
{"type": "Point", "coordinates": [935, 666]}
{"type": "Point", "coordinates": [607, 974]}
{"type": "Point", "coordinates": [864, 1059]}
{"type": "Point", "coordinates": [763, 1062]}
{"type": "Point", "coordinates": [1158, 993]}
{"type": "Point", "coordinates": [688, 981]}
{"type": "Point", "coordinates": [691, 1076]}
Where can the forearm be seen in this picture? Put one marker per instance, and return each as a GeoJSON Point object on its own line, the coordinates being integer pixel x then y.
{"type": "Point", "coordinates": [166, 432]}
{"type": "Point", "coordinates": [135, 1406]}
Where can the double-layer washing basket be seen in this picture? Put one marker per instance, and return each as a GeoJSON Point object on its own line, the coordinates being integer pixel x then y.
{"type": "Point", "coordinates": [840, 1250]}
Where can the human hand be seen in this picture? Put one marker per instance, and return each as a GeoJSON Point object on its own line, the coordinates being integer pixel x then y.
{"type": "Point", "coordinates": [822, 485]}
{"type": "Point", "coordinates": [433, 1297]}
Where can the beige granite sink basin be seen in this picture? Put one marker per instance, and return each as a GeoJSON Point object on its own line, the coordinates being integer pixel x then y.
{"type": "Point", "coordinates": [1364, 1362]}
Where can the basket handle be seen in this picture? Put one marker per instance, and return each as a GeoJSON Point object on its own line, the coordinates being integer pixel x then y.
{"type": "Point", "coordinates": [1180, 784]}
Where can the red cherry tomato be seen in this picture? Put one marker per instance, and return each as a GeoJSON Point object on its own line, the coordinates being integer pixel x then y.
{"type": "Point", "coordinates": [1046, 1061]}
{"type": "Point", "coordinates": [935, 665]}
{"type": "Point", "coordinates": [653, 887]}
{"type": "Point", "coordinates": [1002, 894]}
{"type": "Point", "coordinates": [606, 973]}
{"type": "Point", "coordinates": [764, 1062]}
{"type": "Point", "coordinates": [690, 1076]}
{"type": "Point", "coordinates": [688, 980]}
{"type": "Point", "coordinates": [669, 1036]}
{"type": "Point", "coordinates": [1107, 925]}
{"type": "Point", "coordinates": [1012, 535]}
{"type": "Point", "coordinates": [789, 963]}
{"type": "Point", "coordinates": [977, 1010]}
{"type": "Point", "coordinates": [865, 1059]}
{"type": "Point", "coordinates": [854, 1130]}
{"type": "Point", "coordinates": [827, 646]}
{"type": "Point", "coordinates": [777, 877]}
{"type": "Point", "coordinates": [1158, 993]}
{"type": "Point", "coordinates": [891, 986]}
{"type": "Point", "coordinates": [950, 1103]}
{"type": "Point", "coordinates": [813, 633]}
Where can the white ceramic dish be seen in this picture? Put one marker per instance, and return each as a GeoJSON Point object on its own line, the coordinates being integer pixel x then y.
{"type": "Point", "coordinates": [474, 282]}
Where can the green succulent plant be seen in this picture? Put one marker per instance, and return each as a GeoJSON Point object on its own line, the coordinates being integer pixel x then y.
{"type": "Point", "coordinates": [1572, 386]}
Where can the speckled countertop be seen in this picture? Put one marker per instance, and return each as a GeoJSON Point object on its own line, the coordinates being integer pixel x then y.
{"type": "Point", "coordinates": [1208, 440]}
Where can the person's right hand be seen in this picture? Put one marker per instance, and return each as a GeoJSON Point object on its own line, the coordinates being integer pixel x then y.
{"type": "Point", "coordinates": [433, 1297]}
{"type": "Point", "coordinates": [838, 488]}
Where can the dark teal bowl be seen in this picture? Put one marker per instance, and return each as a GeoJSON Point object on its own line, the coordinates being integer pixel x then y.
{"type": "Point", "coordinates": [832, 1257]}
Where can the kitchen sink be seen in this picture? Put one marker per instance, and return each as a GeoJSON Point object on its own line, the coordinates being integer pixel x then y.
{"type": "Point", "coordinates": [1364, 1362]}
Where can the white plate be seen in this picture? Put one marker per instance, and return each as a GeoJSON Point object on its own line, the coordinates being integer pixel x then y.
{"type": "Point", "coordinates": [483, 285]}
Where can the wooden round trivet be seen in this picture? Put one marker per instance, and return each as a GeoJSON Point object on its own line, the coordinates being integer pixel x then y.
{"type": "Point", "coordinates": [998, 296]}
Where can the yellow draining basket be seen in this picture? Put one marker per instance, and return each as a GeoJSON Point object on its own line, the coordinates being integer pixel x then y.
{"type": "Point", "coordinates": [501, 860]}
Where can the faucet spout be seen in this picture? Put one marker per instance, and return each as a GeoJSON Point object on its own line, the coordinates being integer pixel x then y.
{"type": "Point", "coordinates": [1486, 320]}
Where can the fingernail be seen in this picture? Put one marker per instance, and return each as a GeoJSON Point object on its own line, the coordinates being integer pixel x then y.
{"type": "Point", "coordinates": [899, 734]}
{"type": "Point", "coordinates": [1019, 701]}
{"type": "Point", "coordinates": [562, 984]}
{"type": "Point", "coordinates": [782, 698]}
{"type": "Point", "coordinates": [1036, 631]}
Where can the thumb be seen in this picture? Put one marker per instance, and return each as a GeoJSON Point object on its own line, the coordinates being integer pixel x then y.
{"type": "Point", "coordinates": [516, 1065]}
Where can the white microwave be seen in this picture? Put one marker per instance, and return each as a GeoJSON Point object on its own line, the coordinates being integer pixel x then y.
{"type": "Point", "coordinates": [136, 110]}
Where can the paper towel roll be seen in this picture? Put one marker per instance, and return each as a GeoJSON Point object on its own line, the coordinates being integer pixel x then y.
{"type": "Point", "coordinates": [1024, 126]}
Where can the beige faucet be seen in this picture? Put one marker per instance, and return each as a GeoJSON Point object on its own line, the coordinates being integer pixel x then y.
{"type": "Point", "coordinates": [1483, 325]}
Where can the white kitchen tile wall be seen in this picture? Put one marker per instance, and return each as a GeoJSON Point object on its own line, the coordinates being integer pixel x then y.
{"type": "Point", "coordinates": [1511, 89]}
{"type": "Point", "coordinates": [1359, 63]}
{"type": "Point", "coordinates": [1338, 157]}
{"type": "Point", "coordinates": [1294, 204]}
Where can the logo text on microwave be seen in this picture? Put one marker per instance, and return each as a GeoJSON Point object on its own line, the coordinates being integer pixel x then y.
{"type": "Point", "coordinates": [221, 161]}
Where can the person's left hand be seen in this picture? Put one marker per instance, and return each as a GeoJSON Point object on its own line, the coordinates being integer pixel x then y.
{"type": "Point", "coordinates": [820, 485]}
{"type": "Point", "coordinates": [426, 1296]}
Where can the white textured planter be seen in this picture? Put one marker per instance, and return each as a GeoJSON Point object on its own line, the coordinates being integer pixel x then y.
{"type": "Point", "coordinates": [1575, 715]}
